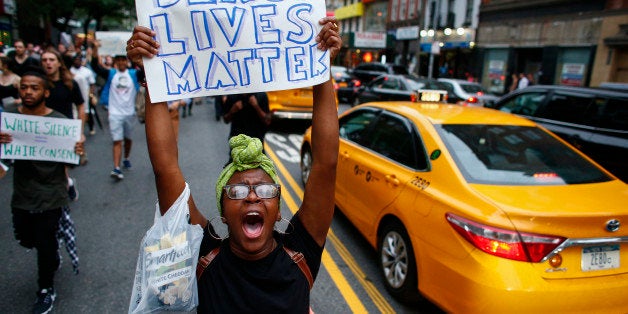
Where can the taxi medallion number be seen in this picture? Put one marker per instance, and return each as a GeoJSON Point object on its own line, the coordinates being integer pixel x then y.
{"type": "Point", "coordinates": [600, 257]}
{"type": "Point", "coordinates": [432, 97]}
{"type": "Point", "coordinates": [429, 95]}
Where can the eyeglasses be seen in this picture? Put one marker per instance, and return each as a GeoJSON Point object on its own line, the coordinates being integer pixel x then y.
{"type": "Point", "coordinates": [241, 191]}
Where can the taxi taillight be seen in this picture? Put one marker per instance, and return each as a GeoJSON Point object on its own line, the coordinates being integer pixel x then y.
{"type": "Point", "coordinates": [414, 97]}
{"type": "Point", "coordinates": [518, 246]}
{"type": "Point", "coordinates": [472, 100]}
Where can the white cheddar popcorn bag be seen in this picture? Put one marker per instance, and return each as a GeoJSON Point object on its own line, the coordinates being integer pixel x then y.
{"type": "Point", "coordinates": [165, 276]}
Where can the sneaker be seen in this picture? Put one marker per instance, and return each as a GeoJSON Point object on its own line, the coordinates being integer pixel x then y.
{"type": "Point", "coordinates": [45, 301]}
{"type": "Point", "coordinates": [116, 173]}
{"type": "Point", "coordinates": [126, 164]}
{"type": "Point", "coordinates": [72, 190]}
{"type": "Point", "coordinates": [92, 132]}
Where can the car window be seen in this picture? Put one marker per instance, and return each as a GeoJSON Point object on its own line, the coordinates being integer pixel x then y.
{"type": "Point", "coordinates": [398, 69]}
{"type": "Point", "coordinates": [391, 83]}
{"type": "Point", "coordinates": [414, 85]}
{"type": "Point", "coordinates": [568, 108]}
{"type": "Point", "coordinates": [471, 88]}
{"type": "Point", "coordinates": [615, 115]}
{"type": "Point", "coordinates": [524, 104]}
{"type": "Point", "coordinates": [378, 83]}
{"type": "Point", "coordinates": [515, 155]}
{"type": "Point", "coordinates": [393, 137]}
{"type": "Point", "coordinates": [355, 126]}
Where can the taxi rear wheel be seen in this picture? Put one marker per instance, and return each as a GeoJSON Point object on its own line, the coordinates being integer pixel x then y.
{"type": "Point", "coordinates": [306, 164]}
{"type": "Point", "coordinates": [397, 263]}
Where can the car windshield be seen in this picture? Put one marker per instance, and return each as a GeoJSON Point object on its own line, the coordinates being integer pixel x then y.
{"type": "Point", "coordinates": [413, 84]}
{"type": "Point", "coordinates": [515, 155]}
{"type": "Point", "coordinates": [472, 88]}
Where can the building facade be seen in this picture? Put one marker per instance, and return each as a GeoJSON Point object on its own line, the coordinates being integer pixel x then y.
{"type": "Point", "coordinates": [562, 42]}
{"type": "Point", "coordinates": [407, 32]}
{"type": "Point", "coordinates": [7, 13]}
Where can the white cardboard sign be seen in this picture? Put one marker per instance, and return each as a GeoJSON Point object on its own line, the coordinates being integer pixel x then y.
{"type": "Point", "coordinates": [112, 43]}
{"type": "Point", "coordinates": [40, 138]}
{"type": "Point", "coordinates": [218, 47]}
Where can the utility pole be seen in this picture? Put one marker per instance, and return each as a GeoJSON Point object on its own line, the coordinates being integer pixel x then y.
{"type": "Point", "coordinates": [436, 5]}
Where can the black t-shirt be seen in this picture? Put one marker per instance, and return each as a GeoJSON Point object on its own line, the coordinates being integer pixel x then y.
{"type": "Point", "coordinates": [247, 121]}
{"type": "Point", "coordinates": [273, 284]}
{"type": "Point", "coordinates": [20, 68]}
{"type": "Point", "coordinates": [39, 185]}
{"type": "Point", "coordinates": [61, 98]}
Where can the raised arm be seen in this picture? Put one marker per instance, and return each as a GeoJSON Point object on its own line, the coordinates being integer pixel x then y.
{"type": "Point", "coordinates": [160, 138]}
{"type": "Point", "coordinates": [95, 62]}
{"type": "Point", "coordinates": [317, 209]}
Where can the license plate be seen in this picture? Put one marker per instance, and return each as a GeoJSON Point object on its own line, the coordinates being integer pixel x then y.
{"type": "Point", "coordinates": [342, 84]}
{"type": "Point", "coordinates": [600, 257]}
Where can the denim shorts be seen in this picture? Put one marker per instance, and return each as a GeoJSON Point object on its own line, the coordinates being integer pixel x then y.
{"type": "Point", "coordinates": [121, 126]}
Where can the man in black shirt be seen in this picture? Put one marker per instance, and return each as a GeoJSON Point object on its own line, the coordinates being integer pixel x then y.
{"type": "Point", "coordinates": [39, 194]}
{"type": "Point", "coordinates": [22, 60]}
{"type": "Point", "coordinates": [248, 114]}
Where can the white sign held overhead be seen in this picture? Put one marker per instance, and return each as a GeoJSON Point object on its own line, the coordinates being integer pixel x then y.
{"type": "Point", "coordinates": [216, 48]}
{"type": "Point", "coordinates": [112, 43]}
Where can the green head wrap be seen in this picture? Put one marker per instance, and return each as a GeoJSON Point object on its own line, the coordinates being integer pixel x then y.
{"type": "Point", "coordinates": [246, 153]}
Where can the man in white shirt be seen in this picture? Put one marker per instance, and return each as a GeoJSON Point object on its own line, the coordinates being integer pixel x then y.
{"type": "Point", "coordinates": [120, 90]}
{"type": "Point", "coordinates": [85, 78]}
{"type": "Point", "coordinates": [523, 81]}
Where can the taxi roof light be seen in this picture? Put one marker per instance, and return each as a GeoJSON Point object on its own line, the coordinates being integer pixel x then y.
{"type": "Point", "coordinates": [525, 247]}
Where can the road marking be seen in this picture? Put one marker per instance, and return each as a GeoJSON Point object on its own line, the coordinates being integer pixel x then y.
{"type": "Point", "coordinates": [286, 151]}
{"type": "Point", "coordinates": [377, 298]}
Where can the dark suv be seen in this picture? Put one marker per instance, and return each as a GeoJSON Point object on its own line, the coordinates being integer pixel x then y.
{"type": "Point", "coordinates": [593, 120]}
{"type": "Point", "coordinates": [366, 72]}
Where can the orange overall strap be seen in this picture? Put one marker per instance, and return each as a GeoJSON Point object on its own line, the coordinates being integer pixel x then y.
{"type": "Point", "coordinates": [204, 261]}
{"type": "Point", "coordinates": [299, 259]}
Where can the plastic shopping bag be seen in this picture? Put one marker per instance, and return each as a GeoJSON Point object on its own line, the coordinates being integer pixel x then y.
{"type": "Point", "coordinates": [165, 276]}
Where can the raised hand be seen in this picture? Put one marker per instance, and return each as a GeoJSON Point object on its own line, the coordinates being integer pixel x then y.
{"type": "Point", "coordinates": [141, 44]}
{"type": "Point", "coordinates": [329, 36]}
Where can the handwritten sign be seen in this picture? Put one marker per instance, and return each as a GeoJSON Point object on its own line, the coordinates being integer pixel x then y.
{"type": "Point", "coordinates": [112, 43]}
{"type": "Point", "coordinates": [218, 47]}
{"type": "Point", "coordinates": [40, 138]}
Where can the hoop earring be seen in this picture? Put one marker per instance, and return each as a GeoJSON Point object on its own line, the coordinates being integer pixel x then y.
{"type": "Point", "coordinates": [287, 227]}
{"type": "Point", "coordinates": [218, 228]}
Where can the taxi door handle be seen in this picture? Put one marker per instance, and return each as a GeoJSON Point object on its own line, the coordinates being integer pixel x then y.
{"type": "Point", "coordinates": [392, 179]}
{"type": "Point", "coordinates": [345, 155]}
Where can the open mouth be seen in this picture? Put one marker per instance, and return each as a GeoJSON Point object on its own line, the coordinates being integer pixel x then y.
{"type": "Point", "coordinates": [253, 224]}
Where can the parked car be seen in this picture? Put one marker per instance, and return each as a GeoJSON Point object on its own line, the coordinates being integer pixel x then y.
{"type": "Point", "coordinates": [481, 210]}
{"type": "Point", "coordinates": [368, 71]}
{"type": "Point", "coordinates": [593, 120]}
{"type": "Point", "coordinates": [396, 87]}
{"type": "Point", "coordinates": [346, 85]}
{"type": "Point", "coordinates": [467, 93]}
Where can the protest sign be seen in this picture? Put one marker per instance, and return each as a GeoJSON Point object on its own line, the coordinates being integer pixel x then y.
{"type": "Point", "coordinates": [212, 47]}
{"type": "Point", "coordinates": [40, 138]}
{"type": "Point", "coordinates": [112, 43]}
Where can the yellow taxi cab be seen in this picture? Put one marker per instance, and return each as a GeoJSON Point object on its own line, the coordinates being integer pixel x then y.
{"type": "Point", "coordinates": [480, 211]}
{"type": "Point", "coordinates": [292, 103]}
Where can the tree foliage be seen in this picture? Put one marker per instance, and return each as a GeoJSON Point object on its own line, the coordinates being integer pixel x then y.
{"type": "Point", "coordinates": [37, 18]}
